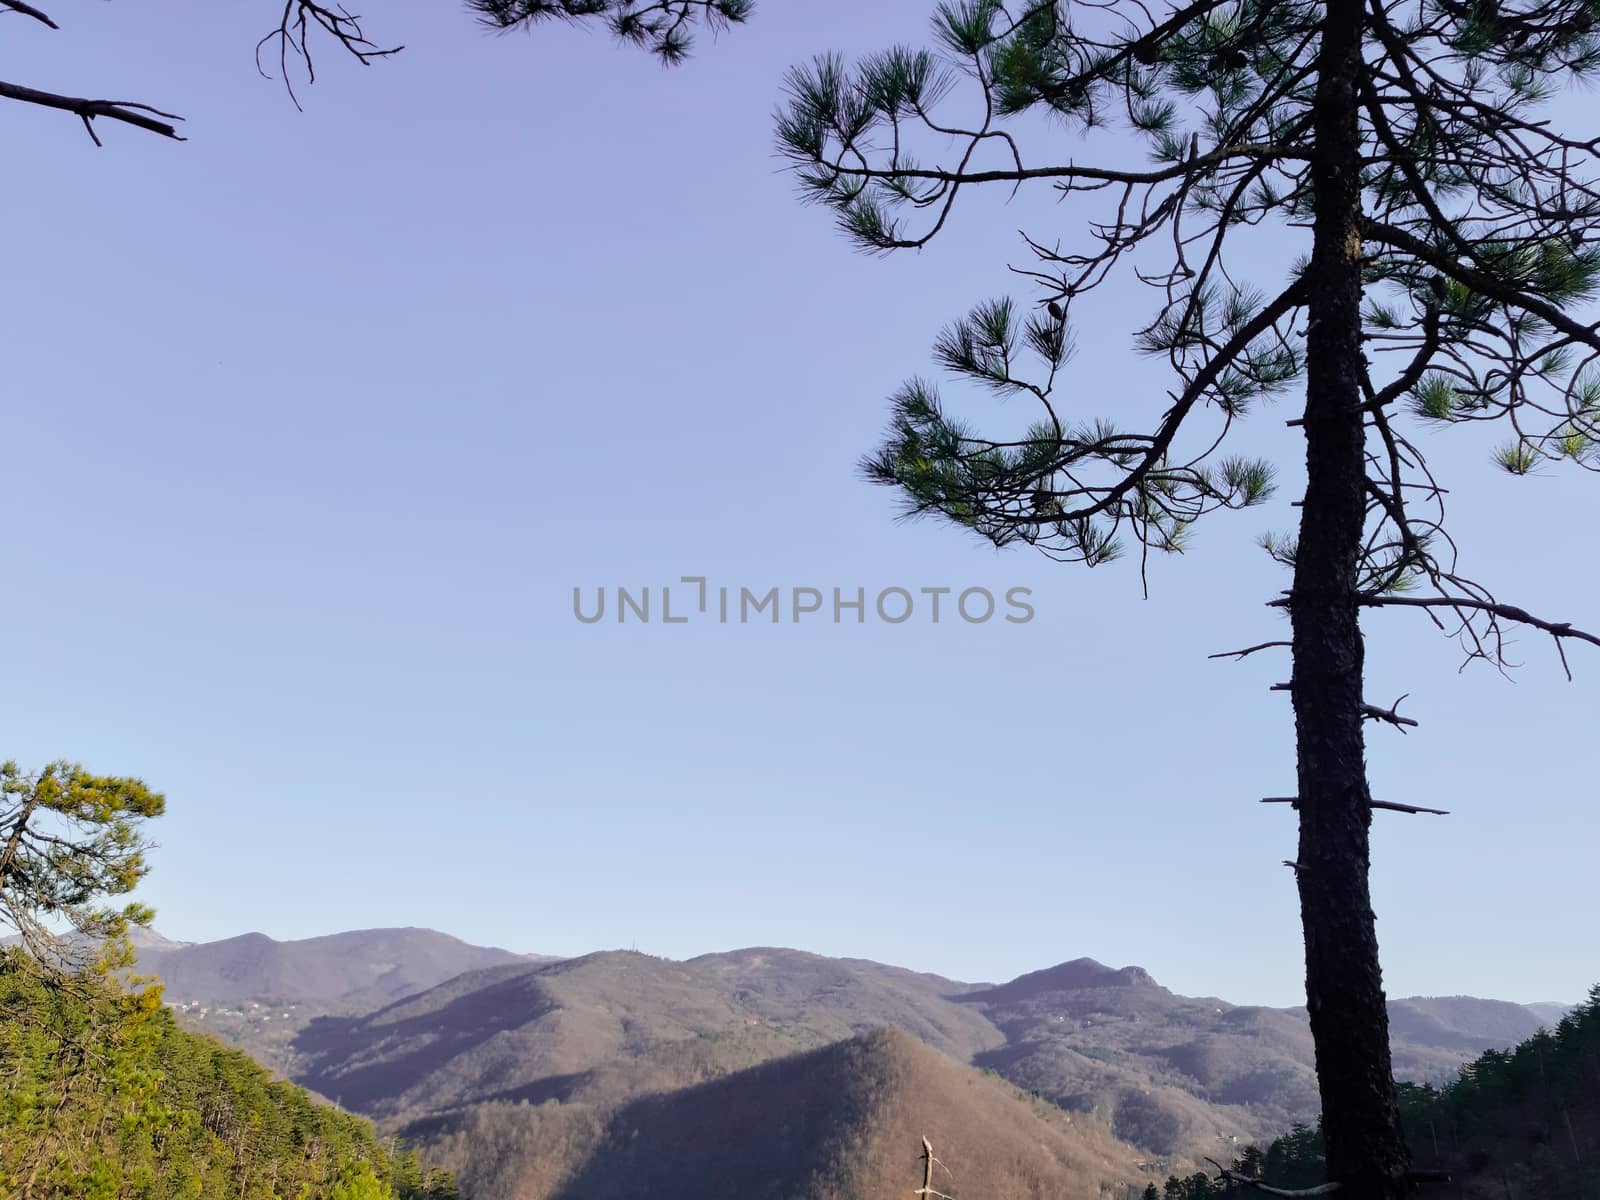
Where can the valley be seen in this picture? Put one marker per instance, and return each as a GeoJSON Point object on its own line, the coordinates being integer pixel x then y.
{"type": "Point", "coordinates": [528, 1067]}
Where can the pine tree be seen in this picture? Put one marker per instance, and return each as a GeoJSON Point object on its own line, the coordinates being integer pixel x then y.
{"type": "Point", "coordinates": [1443, 221]}
{"type": "Point", "coordinates": [70, 843]}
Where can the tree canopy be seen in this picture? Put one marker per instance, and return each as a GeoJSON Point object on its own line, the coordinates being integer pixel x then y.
{"type": "Point", "coordinates": [71, 844]}
{"type": "Point", "coordinates": [104, 1097]}
{"type": "Point", "coordinates": [1521, 1122]}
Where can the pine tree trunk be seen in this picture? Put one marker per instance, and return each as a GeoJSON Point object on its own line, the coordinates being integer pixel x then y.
{"type": "Point", "coordinates": [1366, 1149]}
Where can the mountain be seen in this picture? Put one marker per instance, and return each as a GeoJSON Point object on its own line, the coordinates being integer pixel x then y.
{"type": "Point", "coordinates": [1463, 1023]}
{"type": "Point", "coordinates": [1432, 1036]}
{"type": "Point", "coordinates": [579, 1078]}
{"type": "Point", "coordinates": [351, 972]}
{"type": "Point", "coordinates": [258, 993]}
{"type": "Point", "coordinates": [145, 939]}
{"type": "Point", "coordinates": [1176, 1073]}
{"type": "Point", "coordinates": [1550, 1011]}
{"type": "Point", "coordinates": [615, 1024]}
{"type": "Point", "coordinates": [844, 1120]}
{"type": "Point", "coordinates": [1178, 1076]}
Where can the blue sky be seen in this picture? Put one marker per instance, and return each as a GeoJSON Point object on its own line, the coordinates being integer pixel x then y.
{"type": "Point", "coordinates": [315, 421]}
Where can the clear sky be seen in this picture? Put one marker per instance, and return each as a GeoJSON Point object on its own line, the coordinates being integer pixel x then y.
{"type": "Point", "coordinates": [313, 423]}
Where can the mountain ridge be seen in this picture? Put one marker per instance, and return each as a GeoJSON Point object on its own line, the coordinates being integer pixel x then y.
{"type": "Point", "coordinates": [150, 937]}
{"type": "Point", "coordinates": [1172, 1074]}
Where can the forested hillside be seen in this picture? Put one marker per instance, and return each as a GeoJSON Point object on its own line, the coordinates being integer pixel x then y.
{"type": "Point", "coordinates": [1522, 1124]}
{"type": "Point", "coordinates": [104, 1097]}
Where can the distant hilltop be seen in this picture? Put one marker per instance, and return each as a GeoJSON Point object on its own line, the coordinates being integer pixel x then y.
{"type": "Point", "coordinates": [407, 1024]}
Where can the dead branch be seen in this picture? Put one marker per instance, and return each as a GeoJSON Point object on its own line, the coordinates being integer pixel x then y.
{"type": "Point", "coordinates": [292, 36]}
{"type": "Point", "coordinates": [1509, 612]}
{"type": "Point", "coordinates": [28, 10]}
{"type": "Point", "coordinates": [927, 1174]}
{"type": "Point", "coordinates": [1390, 805]}
{"type": "Point", "coordinates": [1391, 715]}
{"type": "Point", "coordinates": [127, 111]}
{"type": "Point", "coordinates": [1322, 1189]}
{"type": "Point", "coordinates": [1371, 711]}
{"type": "Point", "coordinates": [1428, 1177]}
{"type": "Point", "coordinates": [1237, 655]}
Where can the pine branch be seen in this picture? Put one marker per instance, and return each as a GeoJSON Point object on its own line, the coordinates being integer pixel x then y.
{"type": "Point", "coordinates": [1482, 282]}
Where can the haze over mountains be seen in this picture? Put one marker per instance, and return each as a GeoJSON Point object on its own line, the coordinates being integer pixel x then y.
{"type": "Point", "coordinates": [420, 1030]}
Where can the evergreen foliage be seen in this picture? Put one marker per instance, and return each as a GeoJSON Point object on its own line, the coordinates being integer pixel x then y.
{"type": "Point", "coordinates": [1423, 231]}
{"type": "Point", "coordinates": [1478, 221]}
{"type": "Point", "coordinates": [664, 27]}
{"type": "Point", "coordinates": [1523, 1123]}
{"type": "Point", "coordinates": [70, 844]}
{"type": "Point", "coordinates": [103, 1097]}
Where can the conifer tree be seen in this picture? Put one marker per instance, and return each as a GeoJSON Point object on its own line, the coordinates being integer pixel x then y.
{"type": "Point", "coordinates": [71, 844]}
{"type": "Point", "coordinates": [1443, 230]}
{"type": "Point", "coordinates": [1442, 226]}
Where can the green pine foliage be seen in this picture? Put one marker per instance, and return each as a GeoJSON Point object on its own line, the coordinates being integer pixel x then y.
{"type": "Point", "coordinates": [71, 846]}
{"type": "Point", "coordinates": [1522, 1124]}
{"type": "Point", "coordinates": [1198, 1186]}
{"type": "Point", "coordinates": [104, 1097]}
{"type": "Point", "coordinates": [666, 28]}
{"type": "Point", "coordinates": [1478, 224]}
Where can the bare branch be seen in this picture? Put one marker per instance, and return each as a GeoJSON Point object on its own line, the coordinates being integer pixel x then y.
{"type": "Point", "coordinates": [1322, 1189]}
{"type": "Point", "coordinates": [1238, 655]}
{"type": "Point", "coordinates": [1391, 715]}
{"type": "Point", "coordinates": [1428, 1176]}
{"type": "Point", "coordinates": [126, 111]}
{"type": "Point", "coordinates": [1390, 805]}
{"type": "Point", "coordinates": [1558, 630]}
{"type": "Point", "coordinates": [28, 10]}
{"type": "Point", "coordinates": [293, 33]}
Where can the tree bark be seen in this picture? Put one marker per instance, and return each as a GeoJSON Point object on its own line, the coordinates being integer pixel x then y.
{"type": "Point", "coordinates": [1366, 1151]}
